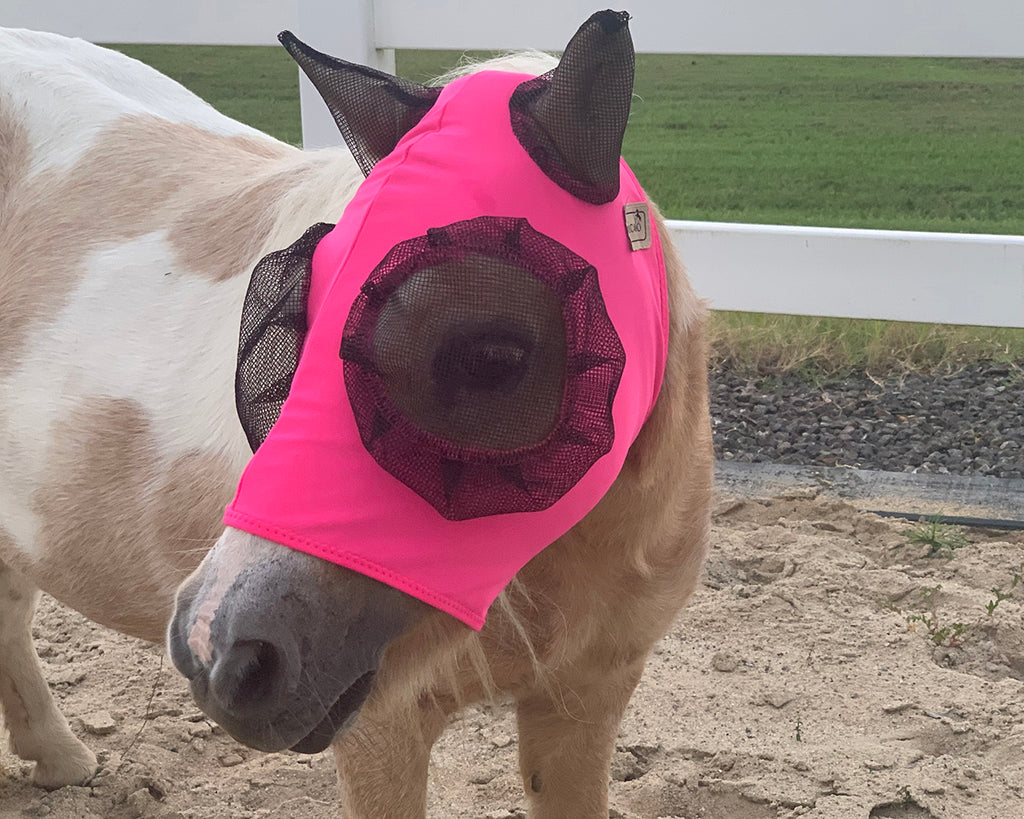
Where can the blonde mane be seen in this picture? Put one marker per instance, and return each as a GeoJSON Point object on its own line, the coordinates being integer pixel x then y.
{"type": "Point", "coordinates": [516, 62]}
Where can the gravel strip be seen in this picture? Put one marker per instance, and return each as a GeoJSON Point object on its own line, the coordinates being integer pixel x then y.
{"type": "Point", "coordinates": [967, 423]}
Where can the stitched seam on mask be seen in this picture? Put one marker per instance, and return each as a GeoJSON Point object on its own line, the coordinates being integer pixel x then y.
{"type": "Point", "coordinates": [428, 594]}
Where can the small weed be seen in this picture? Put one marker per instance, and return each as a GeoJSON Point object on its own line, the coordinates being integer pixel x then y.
{"type": "Point", "coordinates": [1000, 595]}
{"type": "Point", "coordinates": [952, 634]}
{"type": "Point", "coordinates": [991, 605]}
{"type": "Point", "coordinates": [941, 635]}
{"type": "Point", "coordinates": [940, 537]}
{"type": "Point", "coordinates": [799, 734]}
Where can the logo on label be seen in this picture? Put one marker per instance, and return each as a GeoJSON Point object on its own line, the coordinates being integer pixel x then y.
{"type": "Point", "coordinates": [638, 225]}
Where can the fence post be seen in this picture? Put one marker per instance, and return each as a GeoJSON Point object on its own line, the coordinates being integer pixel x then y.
{"type": "Point", "coordinates": [341, 28]}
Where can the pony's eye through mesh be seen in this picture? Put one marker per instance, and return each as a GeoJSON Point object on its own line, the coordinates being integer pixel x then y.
{"type": "Point", "coordinates": [481, 367]}
{"type": "Point", "coordinates": [473, 351]}
{"type": "Point", "coordinates": [273, 329]}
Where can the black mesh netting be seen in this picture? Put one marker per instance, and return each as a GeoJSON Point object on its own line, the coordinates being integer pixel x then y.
{"type": "Point", "coordinates": [481, 367]}
{"type": "Point", "coordinates": [373, 110]}
{"type": "Point", "coordinates": [571, 120]}
{"type": "Point", "coordinates": [272, 332]}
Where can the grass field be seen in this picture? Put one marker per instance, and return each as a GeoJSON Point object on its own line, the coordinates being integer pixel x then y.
{"type": "Point", "coordinates": [920, 144]}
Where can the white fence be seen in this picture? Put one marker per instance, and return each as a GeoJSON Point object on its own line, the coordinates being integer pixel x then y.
{"type": "Point", "coordinates": [901, 275]}
{"type": "Point", "coordinates": [929, 277]}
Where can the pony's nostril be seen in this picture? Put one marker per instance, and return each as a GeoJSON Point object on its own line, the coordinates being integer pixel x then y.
{"type": "Point", "coordinates": [248, 676]}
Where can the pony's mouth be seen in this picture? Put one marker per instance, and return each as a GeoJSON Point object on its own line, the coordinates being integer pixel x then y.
{"type": "Point", "coordinates": [338, 716]}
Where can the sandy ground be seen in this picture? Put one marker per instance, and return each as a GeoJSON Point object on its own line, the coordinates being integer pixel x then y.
{"type": "Point", "coordinates": [802, 680]}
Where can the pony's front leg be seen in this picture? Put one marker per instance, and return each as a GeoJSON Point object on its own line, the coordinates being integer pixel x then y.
{"type": "Point", "coordinates": [566, 739]}
{"type": "Point", "coordinates": [382, 762]}
{"type": "Point", "coordinates": [38, 730]}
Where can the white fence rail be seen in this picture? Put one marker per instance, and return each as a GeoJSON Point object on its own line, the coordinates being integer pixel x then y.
{"type": "Point", "coordinates": [949, 28]}
{"type": "Point", "coordinates": [196, 22]}
{"type": "Point", "coordinates": [946, 278]}
{"type": "Point", "coordinates": [930, 277]}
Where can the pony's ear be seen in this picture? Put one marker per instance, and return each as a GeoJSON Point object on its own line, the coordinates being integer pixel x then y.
{"type": "Point", "coordinates": [272, 333]}
{"type": "Point", "coordinates": [571, 120]}
{"type": "Point", "coordinates": [373, 110]}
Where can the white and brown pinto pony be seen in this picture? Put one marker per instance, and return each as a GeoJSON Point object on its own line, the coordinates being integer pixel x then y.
{"type": "Point", "coordinates": [131, 217]}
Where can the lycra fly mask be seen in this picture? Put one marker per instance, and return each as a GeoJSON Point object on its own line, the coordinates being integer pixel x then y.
{"type": "Point", "coordinates": [487, 328]}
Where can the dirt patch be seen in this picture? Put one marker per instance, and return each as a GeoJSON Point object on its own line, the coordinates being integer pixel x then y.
{"type": "Point", "coordinates": [804, 679]}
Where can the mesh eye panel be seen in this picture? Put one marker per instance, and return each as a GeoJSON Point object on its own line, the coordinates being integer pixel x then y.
{"type": "Point", "coordinates": [273, 329]}
{"type": "Point", "coordinates": [572, 119]}
{"type": "Point", "coordinates": [481, 367]}
{"type": "Point", "coordinates": [472, 349]}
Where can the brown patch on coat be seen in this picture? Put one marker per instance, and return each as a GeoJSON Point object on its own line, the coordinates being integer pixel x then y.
{"type": "Point", "coordinates": [186, 512]}
{"type": "Point", "coordinates": [120, 530]}
{"type": "Point", "coordinates": [15, 153]}
{"type": "Point", "coordinates": [223, 235]}
{"type": "Point", "coordinates": [215, 195]}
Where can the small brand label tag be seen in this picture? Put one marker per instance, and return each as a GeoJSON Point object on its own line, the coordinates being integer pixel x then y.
{"type": "Point", "coordinates": [638, 225]}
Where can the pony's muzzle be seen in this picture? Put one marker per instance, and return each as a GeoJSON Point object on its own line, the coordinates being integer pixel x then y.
{"type": "Point", "coordinates": [242, 675]}
{"type": "Point", "coordinates": [279, 647]}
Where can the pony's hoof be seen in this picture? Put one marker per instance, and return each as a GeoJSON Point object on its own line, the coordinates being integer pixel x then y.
{"type": "Point", "coordinates": [70, 769]}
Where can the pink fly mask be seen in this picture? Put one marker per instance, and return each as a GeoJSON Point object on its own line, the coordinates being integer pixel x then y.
{"type": "Point", "coordinates": [449, 380]}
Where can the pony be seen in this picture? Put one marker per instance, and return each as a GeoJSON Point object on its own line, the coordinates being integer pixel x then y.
{"type": "Point", "coordinates": [482, 459]}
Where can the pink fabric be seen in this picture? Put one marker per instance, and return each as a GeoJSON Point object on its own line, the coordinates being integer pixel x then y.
{"type": "Point", "coordinates": [314, 487]}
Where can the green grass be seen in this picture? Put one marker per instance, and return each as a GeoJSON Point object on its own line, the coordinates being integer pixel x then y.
{"type": "Point", "coordinates": [817, 346]}
{"type": "Point", "coordinates": [940, 538]}
{"type": "Point", "coordinates": [918, 144]}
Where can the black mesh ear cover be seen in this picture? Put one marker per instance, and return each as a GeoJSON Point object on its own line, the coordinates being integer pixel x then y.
{"type": "Point", "coordinates": [572, 119]}
{"type": "Point", "coordinates": [481, 367]}
{"type": "Point", "coordinates": [272, 333]}
{"type": "Point", "coordinates": [373, 110]}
